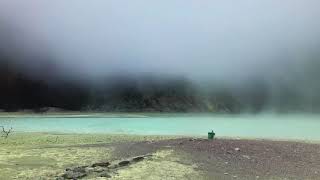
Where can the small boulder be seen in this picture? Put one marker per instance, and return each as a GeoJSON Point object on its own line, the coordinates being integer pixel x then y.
{"type": "Point", "coordinates": [106, 175]}
{"type": "Point", "coordinates": [73, 175]}
{"type": "Point", "coordinates": [81, 169]}
{"type": "Point", "coordinates": [237, 149]}
{"type": "Point", "coordinates": [101, 164]}
{"type": "Point", "coordinates": [137, 159]}
{"type": "Point", "coordinates": [124, 163]}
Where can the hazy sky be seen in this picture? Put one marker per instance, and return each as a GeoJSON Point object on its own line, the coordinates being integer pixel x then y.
{"type": "Point", "coordinates": [208, 39]}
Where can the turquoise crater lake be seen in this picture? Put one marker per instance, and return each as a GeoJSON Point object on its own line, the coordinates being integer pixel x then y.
{"type": "Point", "coordinates": [295, 127]}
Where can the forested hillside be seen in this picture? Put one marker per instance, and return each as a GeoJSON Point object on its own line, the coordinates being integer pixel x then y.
{"type": "Point", "coordinates": [18, 92]}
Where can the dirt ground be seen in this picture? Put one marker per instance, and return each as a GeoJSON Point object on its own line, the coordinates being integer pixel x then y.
{"type": "Point", "coordinates": [238, 159]}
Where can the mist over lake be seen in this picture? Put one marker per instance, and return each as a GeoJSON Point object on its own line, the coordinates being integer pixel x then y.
{"type": "Point", "coordinates": [145, 56]}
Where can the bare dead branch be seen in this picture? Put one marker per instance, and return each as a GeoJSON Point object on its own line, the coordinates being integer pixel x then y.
{"type": "Point", "coordinates": [5, 133]}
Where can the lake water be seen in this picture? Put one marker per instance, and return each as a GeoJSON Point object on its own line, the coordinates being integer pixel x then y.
{"type": "Point", "coordinates": [298, 127]}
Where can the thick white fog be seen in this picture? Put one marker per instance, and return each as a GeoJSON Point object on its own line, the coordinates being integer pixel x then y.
{"type": "Point", "coordinates": [229, 41]}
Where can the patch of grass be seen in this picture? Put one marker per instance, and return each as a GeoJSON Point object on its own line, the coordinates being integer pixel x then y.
{"type": "Point", "coordinates": [43, 155]}
{"type": "Point", "coordinates": [49, 139]}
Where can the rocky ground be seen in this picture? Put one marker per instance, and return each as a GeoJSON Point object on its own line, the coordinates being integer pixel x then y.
{"type": "Point", "coordinates": [101, 169]}
{"type": "Point", "coordinates": [233, 159]}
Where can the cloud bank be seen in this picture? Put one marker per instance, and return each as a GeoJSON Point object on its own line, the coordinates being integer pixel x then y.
{"type": "Point", "coordinates": [229, 41]}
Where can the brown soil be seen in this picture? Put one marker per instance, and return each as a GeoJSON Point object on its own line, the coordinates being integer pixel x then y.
{"type": "Point", "coordinates": [237, 159]}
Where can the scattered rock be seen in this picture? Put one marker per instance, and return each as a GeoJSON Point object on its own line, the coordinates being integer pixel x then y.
{"type": "Point", "coordinates": [226, 173]}
{"type": "Point", "coordinates": [73, 175]}
{"type": "Point", "coordinates": [124, 163]}
{"type": "Point", "coordinates": [89, 169]}
{"type": "Point", "coordinates": [113, 166]}
{"type": "Point", "coordinates": [68, 169]}
{"type": "Point", "coordinates": [81, 169]}
{"type": "Point", "coordinates": [102, 169]}
{"type": "Point", "coordinates": [246, 156]}
{"type": "Point", "coordinates": [101, 164]}
{"type": "Point", "coordinates": [106, 175]}
{"type": "Point", "coordinates": [99, 169]}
